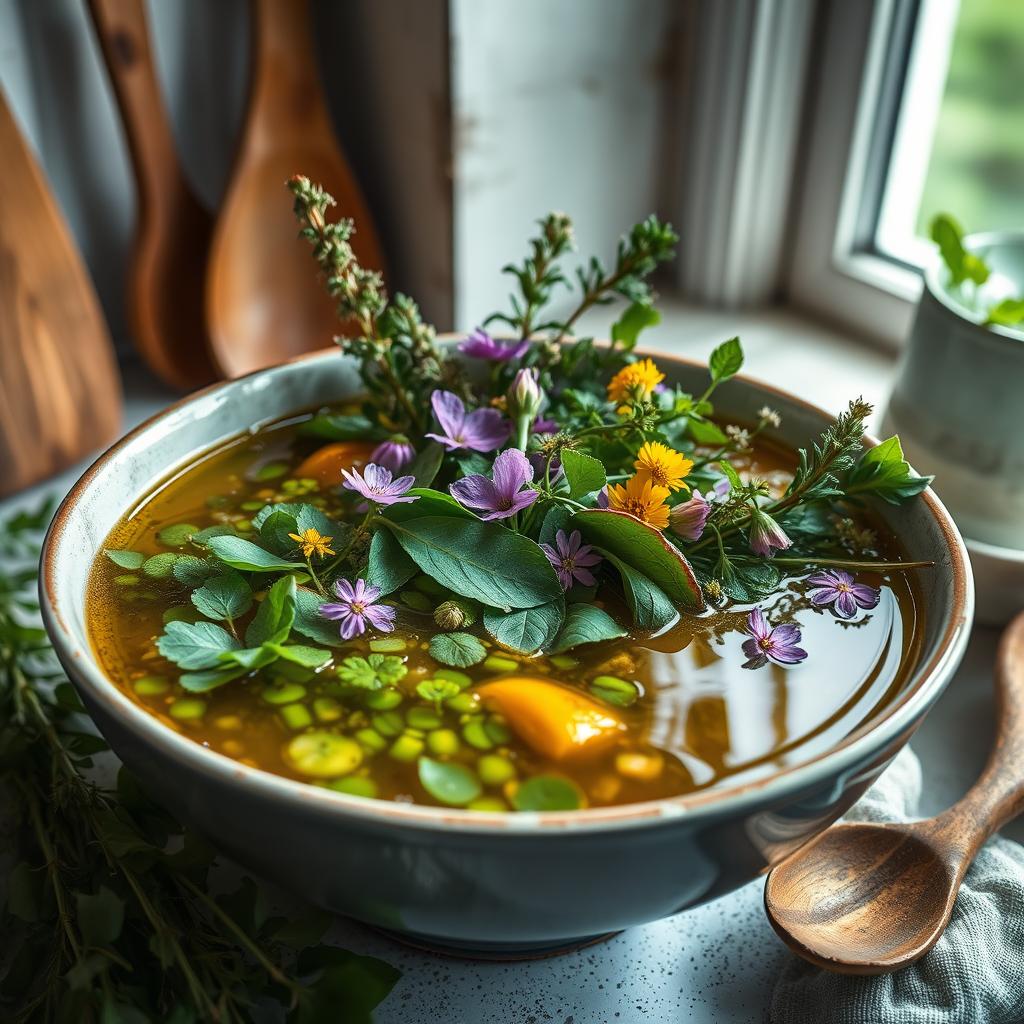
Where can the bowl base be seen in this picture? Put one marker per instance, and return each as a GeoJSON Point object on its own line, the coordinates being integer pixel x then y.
{"type": "Point", "coordinates": [494, 951]}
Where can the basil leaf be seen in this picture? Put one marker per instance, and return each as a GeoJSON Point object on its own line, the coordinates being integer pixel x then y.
{"type": "Point", "coordinates": [246, 556]}
{"type": "Point", "coordinates": [448, 781]}
{"type": "Point", "coordinates": [650, 607]}
{"type": "Point", "coordinates": [310, 623]}
{"type": "Point", "coordinates": [389, 567]}
{"type": "Point", "coordinates": [526, 630]}
{"type": "Point", "coordinates": [223, 597]}
{"type": "Point", "coordinates": [125, 559]}
{"type": "Point", "coordinates": [459, 650]}
{"type": "Point", "coordinates": [644, 549]}
{"type": "Point", "coordinates": [627, 328]}
{"type": "Point", "coordinates": [547, 793]}
{"type": "Point", "coordinates": [195, 645]}
{"type": "Point", "coordinates": [482, 561]}
{"type": "Point", "coordinates": [583, 473]}
{"type": "Point", "coordinates": [726, 360]}
{"type": "Point", "coordinates": [273, 621]}
{"type": "Point", "coordinates": [884, 472]}
{"type": "Point", "coordinates": [585, 624]}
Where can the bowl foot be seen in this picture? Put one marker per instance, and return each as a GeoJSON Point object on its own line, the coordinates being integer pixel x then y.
{"type": "Point", "coordinates": [495, 951]}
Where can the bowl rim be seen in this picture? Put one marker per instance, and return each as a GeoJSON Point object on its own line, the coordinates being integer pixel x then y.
{"type": "Point", "coordinates": [927, 682]}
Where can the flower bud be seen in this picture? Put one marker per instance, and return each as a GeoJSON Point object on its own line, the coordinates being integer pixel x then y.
{"type": "Point", "coordinates": [453, 615]}
{"type": "Point", "coordinates": [394, 454]}
{"type": "Point", "coordinates": [688, 518]}
{"type": "Point", "coordinates": [524, 397]}
{"type": "Point", "coordinates": [766, 536]}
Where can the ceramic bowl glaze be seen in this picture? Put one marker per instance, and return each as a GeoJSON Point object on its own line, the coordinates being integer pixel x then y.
{"type": "Point", "coordinates": [489, 883]}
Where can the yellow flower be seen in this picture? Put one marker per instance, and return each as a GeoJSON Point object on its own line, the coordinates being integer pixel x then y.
{"type": "Point", "coordinates": [634, 383]}
{"type": "Point", "coordinates": [662, 466]}
{"type": "Point", "coordinates": [640, 498]}
{"type": "Point", "coordinates": [312, 543]}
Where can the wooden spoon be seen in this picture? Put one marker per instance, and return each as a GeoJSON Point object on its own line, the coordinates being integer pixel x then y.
{"type": "Point", "coordinates": [264, 302]}
{"type": "Point", "coordinates": [172, 234]}
{"type": "Point", "coordinates": [60, 397]}
{"type": "Point", "coordinates": [869, 899]}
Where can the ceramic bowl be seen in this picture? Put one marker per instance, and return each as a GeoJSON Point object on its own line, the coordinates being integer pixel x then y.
{"type": "Point", "coordinates": [492, 884]}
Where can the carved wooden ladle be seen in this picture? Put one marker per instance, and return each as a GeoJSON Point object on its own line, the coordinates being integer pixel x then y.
{"type": "Point", "coordinates": [870, 899]}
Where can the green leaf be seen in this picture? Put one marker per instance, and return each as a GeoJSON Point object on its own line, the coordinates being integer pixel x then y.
{"type": "Point", "coordinates": [275, 529]}
{"type": "Point", "coordinates": [159, 567]}
{"type": "Point", "coordinates": [248, 557]}
{"type": "Point", "coordinates": [651, 608]}
{"type": "Point", "coordinates": [526, 630]}
{"type": "Point", "coordinates": [884, 472]}
{"type": "Point", "coordinates": [372, 673]}
{"type": "Point", "coordinates": [125, 559]}
{"type": "Point", "coordinates": [100, 916]}
{"type": "Point", "coordinates": [547, 793]}
{"type": "Point", "coordinates": [275, 616]}
{"type": "Point", "coordinates": [726, 360]}
{"type": "Point", "coordinates": [626, 329]}
{"type": "Point", "coordinates": [310, 623]}
{"type": "Point", "coordinates": [203, 537]}
{"type": "Point", "coordinates": [178, 535]}
{"type": "Point", "coordinates": [343, 428]}
{"type": "Point", "coordinates": [426, 464]}
{"type": "Point", "coordinates": [193, 572]}
{"type": "Point", "coordinates": [223, 597]}
{"type": "Point", "coordinates": [251, 658]}
{"type": "Point", "coordinates": [644, 549]}
{"type": "Point", "coordinates": [749, 583]}
{"type": "Point", "coordinates": [1008, 313]}
{"type": "Point", "coordinates": [203, 682]}
{"type": "Point", "coordinates": [706, 432]}
{"type": "Point", "coordinates": [195, 644]}
{"type": "Point", "coordinates": [482, 561]}
{"type": "Point", "coordinates": [438, 690]}
{"type": "Point", "coordinates": [298, 654]}
{"type": "Point", "coordinates": [585, 624]}
{"type": "Point", "coordinates": [731, 475]}
{"type": "Point", "coordinates": [583, 473]}
{"type": "Point", "coordinates": [459, 650]}
{"type": "Point", "coordinates": [430, 503]}
{"type": "Point", "coordinates": [388, 566]}
{"type": "Point", "coordinates": [448, 781]}
{"type": "Point", "coordinates": [556, 519]}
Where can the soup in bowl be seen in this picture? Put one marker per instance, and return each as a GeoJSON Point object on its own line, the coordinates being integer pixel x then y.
{"type": "Point", "coordinates": [472, 791]}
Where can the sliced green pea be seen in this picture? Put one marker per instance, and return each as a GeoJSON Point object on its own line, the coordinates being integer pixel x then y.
{"type": "Point", "coordinates": [487, 803]}
{"type": "Point", "coordinates": [187, 709]}
{"type": "Point", "coordinates": [295, 716]}
{"type": "Point", "coordinates": [388, 723]}
{"type": "Point", "coordinates": [251, 506]}
{"type": "Point", "coordinates": [496, 663]}
{"type": "Point", "coordinates": [372, 740]}
{"type": "Point", "coordinates": [497, 730]}
{"type": "Point", "coordinates": [158, 567]}
{"type": "Point", "coordinates": [563, 661]}
{"type": "Point", "coordinates": [460, 679]}
{"type": "Point", "coordinates": [217, 500]}
{"type": "Point", "coordinates": [285, 693]}
{"type": "Point", "coordinates": [384, 700]}
{"type": "Point", "coordinates": [323, 755]}
{"type": "Point", "coordinates": [388, 645]}
{"type": "Point", "coordinates": [355, 785]}
{"type": "Point", "coordinates": [474, 733]}
{"type": "Point", "coordinates": [495, 770]}
{"type": "Point", "coordinates": [464, 703]}
{"type": "Point", "coordinates": [443, 741]}
{"type": "Point", "coordinates": [423, 718]}
{"type": "Point", "coordinates": [178, 535]}
{"type": "Point", "coordinates": [327, 709]}
{"type": "Point", "coordinates": [415, 600]}
{"type": "Point", "coordinates": [271, 471]}
{"type": "Point", "coordinates": [149, 686]}
{"type": "Point", "coordinates": [243, 526]}
{"type": "Point", "coordinates": [406, 748]}
{"type": "Point", "coordinates": [127, 579]}
{"type": "Point", "coordinates": [620, 692]}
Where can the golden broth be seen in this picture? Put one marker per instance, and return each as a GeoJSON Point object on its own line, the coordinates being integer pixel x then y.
{"type": "Point", "coordinates": [701, 719]}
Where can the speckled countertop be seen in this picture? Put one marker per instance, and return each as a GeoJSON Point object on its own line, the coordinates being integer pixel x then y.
{"type": "Point", "coordinates": [715, 963]}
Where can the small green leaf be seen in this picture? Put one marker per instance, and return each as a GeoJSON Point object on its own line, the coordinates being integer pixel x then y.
{"type": "Point", "coordinates": [426, 464]}
{"type": "Point", "coordinates": [726, 360]}
{"type": "Point", "coordinates": [883, 471]}
{"type": "Point", "coordinates": [178, 535]}
{"type": "Point", "coordinates": [203, 537]}
{"type": "Point", "coordinates": [100, 916]}
{"type": "Point", "coordinates": [706, 432]}
{"type": "Point", "coordinates": [459, 650]}
{"type": "Point", "coordinates": [583, 473]}
{"type": "Point", "coordinates": [223, 597]}
{"type": "Point", "coordinates": [275, 530]}
{"type": "Point", "coordinates": [731, 475]}
{"type": "Point", "coordinates": [202, 682]}
{"type": "Point", "coordinates": [547, 793]}
{"type": "Point", "coordinates": [637, 317]}
{"type": "Point", "coordinates": [125, 559]}
{"type": "Point", "coordinates": [429, 503]}
{"type": "Point", "coordinates": [246, 556]}
{"type": "Point", "coordinates": [275, 616]}
{"type": "Point", "coordinates": [388, 566]}
{"type": "Point", "coordinates": [1008, 313]}
{"type": "Point", "coordinates": [195, 645]}
{"type": "Point", "coordinates": [193, 572]}
{"type": "Point", "coordinates": [651, 608]}
{"type": "Point", "coordinates": [373, 672]}
{"type": "Point", "coordinates": [437, 690]}
{"type": "Point", "coordinates": [159, 567]}
{"type": "Point", "coordinates": [556, 519]}
{"type": "Point", "coordinates": [310, 623]}
{"type": "Point", "coordinates": [299, 654]}
{"type": "Point", "coordinates": [451, 783]}
{"type": "Point", "coordinates": [526, 630]}
{"type": "Point", "coordinates": [585, 624]}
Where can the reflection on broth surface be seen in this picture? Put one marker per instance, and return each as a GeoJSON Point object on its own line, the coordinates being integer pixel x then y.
{"type": "Point", "coordinates": [670, 714]}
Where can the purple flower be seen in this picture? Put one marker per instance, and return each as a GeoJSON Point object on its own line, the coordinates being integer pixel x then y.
{"type": "Point", "coordinates": [375, 484]}
{"type": "Point", "coordinates": [394, 455]}
{"type": "Point", "coordinates": [572, 559]}
{"type": "Point", "coordinates": [539, 462]}
{"type": "Point", "coordinates": [766, 535]}
{"type": "Point", "coordinates": [482, 430]}
{"type": "Point", "coordinates": [602, 497]}
{"type": "Point", "coordinates": [837, 588]}
{"type": "Point", "coordinates": [501, 497]}
{"type": "Point", "coordinates": [480, 345]}
{"type": "Point", "coordinates": [766, 644]}
{"type": "Point", "coordinates": [356, 608]}
{"type": "Point", "coordinates": [688, 518]}
{"type": "Point", "coordinates": [719, 490]}
{"type": "Point", "coordinates": [542, 426]}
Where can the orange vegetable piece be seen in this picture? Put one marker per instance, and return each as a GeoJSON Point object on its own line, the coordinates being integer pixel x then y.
{"type": "Point", "coordinates": [557, 722]}
{"type": "Point", "coordinates": [325, 464]}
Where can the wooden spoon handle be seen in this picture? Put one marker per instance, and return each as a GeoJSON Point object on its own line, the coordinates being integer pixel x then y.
{"type": "Point", "coordinates": [998, 795]}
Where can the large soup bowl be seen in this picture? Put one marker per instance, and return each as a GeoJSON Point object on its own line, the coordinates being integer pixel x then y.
{"type": "Point", "coordinates": [483, 882]}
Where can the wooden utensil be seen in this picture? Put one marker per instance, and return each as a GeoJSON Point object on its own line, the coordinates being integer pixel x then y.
{"type": "Point", "coordinates": [60, 397]}
{"type": "Point", "coordinates": [264, 302]}
{"type": "Point", "coordinates": [869, 899]}
{"type": "Point", "coordinates": [167, 275]}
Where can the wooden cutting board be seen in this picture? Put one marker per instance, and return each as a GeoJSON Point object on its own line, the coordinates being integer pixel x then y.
{"type": "Point", "coordinates": [60, 395]}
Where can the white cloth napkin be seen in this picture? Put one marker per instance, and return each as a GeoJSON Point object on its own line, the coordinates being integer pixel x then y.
{"type": "Point", "coordinates": [975, 972]}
